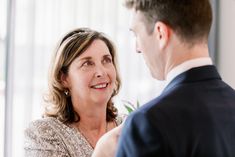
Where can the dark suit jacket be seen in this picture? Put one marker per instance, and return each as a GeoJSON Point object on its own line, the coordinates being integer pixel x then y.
{"type": "Point", "coordinates": [193, 117]}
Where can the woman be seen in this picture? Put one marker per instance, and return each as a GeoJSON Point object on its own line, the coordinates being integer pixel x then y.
{"type": "Point", "coordinates": [83, 80]}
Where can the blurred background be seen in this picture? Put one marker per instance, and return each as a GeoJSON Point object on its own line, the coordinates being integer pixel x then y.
{"type": "Point", "coordinates": [30, 30]}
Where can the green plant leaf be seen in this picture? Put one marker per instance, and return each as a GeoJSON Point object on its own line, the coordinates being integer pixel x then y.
{"type": "Point", "coordinates": [129, 109]}
{"type": "Point", "coordinates": [138, 104]}
{"type": "Point", "coordinates": [128, 103]}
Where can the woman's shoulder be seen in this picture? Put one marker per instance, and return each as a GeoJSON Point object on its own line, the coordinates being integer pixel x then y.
{"type": "Point", "coordinates": [42, 125]}
{"type": "Point", "coordinates": [42, 138]}
{"type": "Point", "coordinates": [42, 131]}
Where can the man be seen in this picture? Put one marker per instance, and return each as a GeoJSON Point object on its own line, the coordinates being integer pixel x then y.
{"type": "Point", "coordinates": [195, 114]}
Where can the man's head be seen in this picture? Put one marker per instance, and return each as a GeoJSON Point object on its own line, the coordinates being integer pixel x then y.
{"type": "Point", "coordinates": [190, 19]}
{"type": "Point", "coordinates": [156, 22]}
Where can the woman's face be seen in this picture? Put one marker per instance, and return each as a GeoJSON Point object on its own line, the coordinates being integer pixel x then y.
{"type": "Point", "coordinates": [91, 77]}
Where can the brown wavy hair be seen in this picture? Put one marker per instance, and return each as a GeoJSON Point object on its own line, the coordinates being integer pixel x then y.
{"type": "Point", "coordinates": [72, 45]}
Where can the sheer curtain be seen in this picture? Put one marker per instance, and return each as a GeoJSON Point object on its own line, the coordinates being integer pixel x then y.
{"type": "Point", "coordinates": [38, 25]}
{"type": "Point", "coordinates": [2, 70]}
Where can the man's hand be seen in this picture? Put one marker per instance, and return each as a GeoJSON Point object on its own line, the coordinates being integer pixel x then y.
{"type": "Point", "coordinates": [107, 144]}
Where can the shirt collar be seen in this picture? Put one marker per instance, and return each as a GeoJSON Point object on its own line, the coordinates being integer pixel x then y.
{"type": "Point", "coordinates": [186, 66]}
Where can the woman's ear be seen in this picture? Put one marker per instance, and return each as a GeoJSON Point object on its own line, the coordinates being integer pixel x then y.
{"type": "Point", "coordinates": [64, 80]}
{"type": "Point", "coordinates": [162, 32]}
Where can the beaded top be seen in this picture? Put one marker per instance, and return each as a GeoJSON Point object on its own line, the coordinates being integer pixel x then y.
{"type": "Point", "coordinates": [50, 137]}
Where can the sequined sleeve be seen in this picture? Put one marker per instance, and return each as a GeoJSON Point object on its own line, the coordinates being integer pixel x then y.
{"type": "Point", "coordinates": [41, 140]}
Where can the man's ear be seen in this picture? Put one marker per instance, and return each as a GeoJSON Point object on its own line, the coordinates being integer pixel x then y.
{"type": "Point", "coordinates": [162, 32]}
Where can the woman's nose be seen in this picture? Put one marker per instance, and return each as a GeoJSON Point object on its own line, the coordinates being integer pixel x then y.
{"type": "Point", "coordinates": [100, 71]}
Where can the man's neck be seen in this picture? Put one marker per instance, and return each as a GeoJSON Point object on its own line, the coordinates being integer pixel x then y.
{"type": "Point", "coordinates": [182, 53]}
{"type": "Point", "coordinates": [189, 64]}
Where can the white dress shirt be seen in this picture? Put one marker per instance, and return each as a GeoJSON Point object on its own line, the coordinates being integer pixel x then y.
{"type": "Point", "coordinates": [186, 66]}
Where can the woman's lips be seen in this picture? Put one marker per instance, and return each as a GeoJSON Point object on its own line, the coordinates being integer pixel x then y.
{"type": "Point", "coordinates": [100, 86]}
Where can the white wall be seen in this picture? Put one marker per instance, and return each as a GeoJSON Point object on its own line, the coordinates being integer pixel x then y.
{"type": "Point", "coordinates": [226, 42]}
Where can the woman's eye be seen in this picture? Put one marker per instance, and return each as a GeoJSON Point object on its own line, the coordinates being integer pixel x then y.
{"type": "Point", "coordinates": [87, 63]}
{"type": "Point", "coordinates": [107, 60]}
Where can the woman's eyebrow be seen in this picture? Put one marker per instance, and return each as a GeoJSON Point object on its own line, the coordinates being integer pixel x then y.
{"type": "Point", "coordinates": [85, 58]}
{"type": "Point", "coordinates": [108, 55]}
